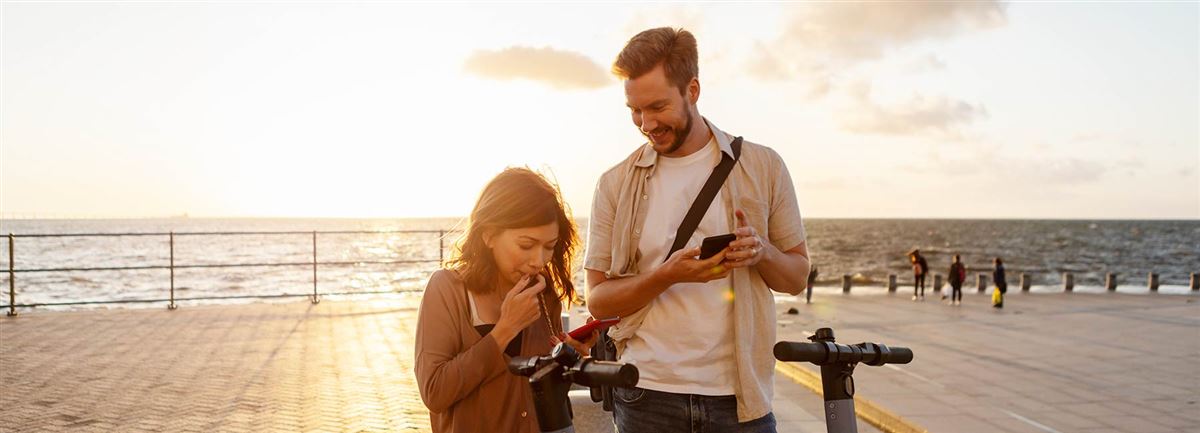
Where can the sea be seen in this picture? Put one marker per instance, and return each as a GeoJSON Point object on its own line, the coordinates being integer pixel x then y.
{"type": "Point", "coordinates": [399, 262]}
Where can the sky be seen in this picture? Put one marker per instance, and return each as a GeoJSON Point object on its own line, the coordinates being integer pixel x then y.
{"type": "Point", "coordinates": [880, 110]}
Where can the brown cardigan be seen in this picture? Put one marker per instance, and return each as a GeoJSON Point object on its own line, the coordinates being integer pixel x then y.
{"type": "Point", "coordinates": [463, 378]}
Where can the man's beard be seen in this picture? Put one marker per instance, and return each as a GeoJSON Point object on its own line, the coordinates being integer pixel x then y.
{"type": "Point", "coordinates": [680, 136]}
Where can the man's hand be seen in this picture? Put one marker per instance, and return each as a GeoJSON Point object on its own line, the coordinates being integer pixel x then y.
{"type": "Point", "coordinates": [684, 267]}
{"type": "Point", "coordinates": [747, 249]}
{"type": "Point", "coordinates": [621, 297]}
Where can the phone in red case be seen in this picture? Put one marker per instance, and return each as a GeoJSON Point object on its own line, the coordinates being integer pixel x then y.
{"type": "Point", "coordinates": [583, 332]}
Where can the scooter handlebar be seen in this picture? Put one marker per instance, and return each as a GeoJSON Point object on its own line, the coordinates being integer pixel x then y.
{"type": "Point", "coordinates": [800, 352]}
{"type": "Point", "coordinates": [605, 373]}
{"type": "Point", "coordinates": [821, 353]}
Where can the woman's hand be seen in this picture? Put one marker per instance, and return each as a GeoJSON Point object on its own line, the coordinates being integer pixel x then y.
{"type": "Point", "coordinates": [583, 347]}
{"type": "Point", "coordinates": [518, 310]}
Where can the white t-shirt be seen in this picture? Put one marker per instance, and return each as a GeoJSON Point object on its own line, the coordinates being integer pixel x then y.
{"type": "Point", "coordinates": [685, 344]}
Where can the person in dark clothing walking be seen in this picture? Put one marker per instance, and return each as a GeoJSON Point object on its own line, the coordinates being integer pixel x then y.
{"type": "Point", "coordinates": [920, 268]}
{"type": "Point", "coordinates": [958, 274]}
{"type": "Point", "coordinates": [1001, 283]}
{"type": "Point", "coordinates": [812, 281]}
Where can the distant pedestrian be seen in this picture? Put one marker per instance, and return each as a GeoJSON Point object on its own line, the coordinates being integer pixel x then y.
{"type": "Point", "coordinates": [958, 274]}
{"type": "Point", "coordinates": [920, 268]}
{"type": "Point", "coordinates": [812, 281]}
{"type": "Point", "coordinates": [1001, 284]}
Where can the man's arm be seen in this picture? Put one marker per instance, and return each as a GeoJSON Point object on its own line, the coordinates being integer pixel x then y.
{"type": "Point", "coordinates": [785, 271]}
{"type": "Point", "coordinates": [621, 297]}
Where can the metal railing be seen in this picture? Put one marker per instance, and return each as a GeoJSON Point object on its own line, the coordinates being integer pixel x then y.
{"type": "Point", "coordinates": [314, 297]}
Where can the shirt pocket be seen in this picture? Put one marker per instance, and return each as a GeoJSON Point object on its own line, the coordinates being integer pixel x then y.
{"type": "Point", "coordinates": [756, 214]}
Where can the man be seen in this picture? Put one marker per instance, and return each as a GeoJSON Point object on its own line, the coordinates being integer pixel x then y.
{"type": "Point", "coordinates": [957, 275]}
{"type": "Point", "coordinates": [700, 331]}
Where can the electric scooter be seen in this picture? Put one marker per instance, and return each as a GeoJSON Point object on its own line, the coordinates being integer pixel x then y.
{"type": "Point", "coordinates": [837, 362]}
{"type": "Point", "coordinates": [551, 377]}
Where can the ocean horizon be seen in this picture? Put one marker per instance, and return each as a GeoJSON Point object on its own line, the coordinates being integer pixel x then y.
{"type": "Point", "coordinates": [867, 249]}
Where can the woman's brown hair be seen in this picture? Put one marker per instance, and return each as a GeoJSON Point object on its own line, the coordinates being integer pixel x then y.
{"type": "Point", "coordinates": [516, 198]}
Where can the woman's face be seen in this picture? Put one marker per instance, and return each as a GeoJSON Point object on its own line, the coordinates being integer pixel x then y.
{"type": "Point", "coordinates": [523, 251]}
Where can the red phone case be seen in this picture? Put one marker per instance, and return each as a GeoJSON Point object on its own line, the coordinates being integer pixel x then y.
{"type": "Point", "coordinates": [585, 331]}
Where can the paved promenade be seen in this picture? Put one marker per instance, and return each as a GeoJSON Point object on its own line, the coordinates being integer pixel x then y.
{"type": "Point", "coordinates": [338, 366]}
{"type": "Point", "coordinates": [1047, 363]}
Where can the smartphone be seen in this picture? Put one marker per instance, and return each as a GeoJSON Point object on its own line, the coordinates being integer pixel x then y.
{"type": "Point", "coordinates": [583, 332]}
{"type": "Point", "coordinates": [714, 244]}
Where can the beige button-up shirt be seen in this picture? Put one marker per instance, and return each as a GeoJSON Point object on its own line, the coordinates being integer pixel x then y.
{"type": "Point", "coordinates": [760, 186]}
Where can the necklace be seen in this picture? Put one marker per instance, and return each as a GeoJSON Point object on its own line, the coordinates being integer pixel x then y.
{"type": "Point", "coordinates": [546, 314]}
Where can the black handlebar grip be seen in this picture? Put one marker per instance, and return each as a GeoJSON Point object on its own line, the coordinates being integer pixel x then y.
{"type": "Point", "coordinates": [521, 365]}
{"type": "Point", "coordinates": [899, 355]}
{"type": "Point", "coordinates": [788, 351]}
{"type": "Point", "coordinates": [607, 373]}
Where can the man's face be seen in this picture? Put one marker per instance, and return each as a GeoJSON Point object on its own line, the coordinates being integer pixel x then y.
{"type": "Point", "coordinates": [659, 110]}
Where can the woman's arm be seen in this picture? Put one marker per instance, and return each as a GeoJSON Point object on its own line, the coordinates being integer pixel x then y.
{"type": "Point", "coordinates": [445, 372]}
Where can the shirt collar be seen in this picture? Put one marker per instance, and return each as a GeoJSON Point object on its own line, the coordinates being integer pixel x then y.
{"type": "Point", "coordinates": [649, 157]}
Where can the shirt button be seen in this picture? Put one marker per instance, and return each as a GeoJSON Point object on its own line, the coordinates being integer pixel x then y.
{"type": "Point", "coordinates": [637, 231]}
{"type": "Point", "coordinates": [524, 413]}
{"type": "Point", "coordinates": [645, 197]}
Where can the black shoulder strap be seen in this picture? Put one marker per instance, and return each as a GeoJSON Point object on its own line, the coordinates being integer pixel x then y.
{"type": "Point", "coordinates": [700, 206]}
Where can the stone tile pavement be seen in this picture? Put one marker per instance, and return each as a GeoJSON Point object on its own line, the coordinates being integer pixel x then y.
{"type": "Point", "coordinates": [1046, 363]}
{"type": "Point", "coordinates": [334, 366]}
{"type": "Point", "coordinates": [337, 366]}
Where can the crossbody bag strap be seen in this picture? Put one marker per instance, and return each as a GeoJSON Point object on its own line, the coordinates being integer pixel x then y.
{"type": "Point", "coordinates": [699, 207]}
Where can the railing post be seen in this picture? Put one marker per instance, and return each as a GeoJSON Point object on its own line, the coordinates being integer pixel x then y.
{"type": "Point", "coordinates": [1194, 282]}
{"type": "Point", "coordinates": [1110, 282]}
{"type": "Point", "coordinates": [12, 280]}
{"type": "Point", "coordinates": [1153, 282]}
{"type": "Point", "coordinates": [846, 283]}
{"type": "Point", "coordinates": [891, 283]}
{"type": "Point", "coordinates": [1068, 282]}
{"type": "Point", "coordinates": [172, 306]}
{"type": "Point", "coordinates": [981, 282]}
{"type": "Point", "coordinates": [315, 298]}
{"type": "Point", "coordinates": [441, 247]}
{"type": "Point", "coordinates": [1026, 282]}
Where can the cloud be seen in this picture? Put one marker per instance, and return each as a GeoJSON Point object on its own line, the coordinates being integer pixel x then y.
{"type": "Point", "coordinates": [866, 30]}
{"type": "Point", "coordinates": [1130, 165]}
{"type": "Point", "coordinates": [560, 69]}
{"type": "Point", "coordinates": [992, 162]}
{"type": "Point", "coordinates": [926, 63]}
{"type": "Point", "coordinates": [920, 115]}
{"type": "Point", "coordinates": [1063, 171]}
{"type": "Point", "coordinates": [825, 40]}
{"type": "Point", "coordinates": [676, 16]}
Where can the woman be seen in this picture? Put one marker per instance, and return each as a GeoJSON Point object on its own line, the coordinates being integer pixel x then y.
{"type": "Point", "coordinates": [920, 268]}
{"type": "Point", "coordinates": [500, 296]}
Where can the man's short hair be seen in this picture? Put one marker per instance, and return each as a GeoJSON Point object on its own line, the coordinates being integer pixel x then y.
{"type": "Point", "coordinates": [675, 49]}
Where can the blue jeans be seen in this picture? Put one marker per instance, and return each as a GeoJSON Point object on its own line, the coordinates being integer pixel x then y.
{"type": "Point", "coordinates": [639, 410]}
